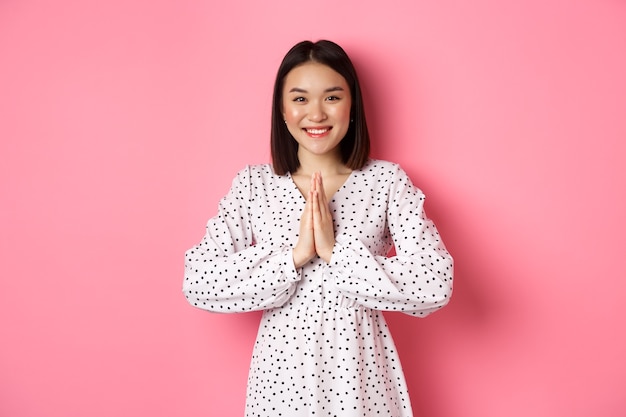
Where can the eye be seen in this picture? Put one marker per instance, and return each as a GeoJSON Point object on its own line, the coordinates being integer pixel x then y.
{"type": "Point", "coordinates": [299, 99]}
{"type": "Point", "coordinates": [333, 98]}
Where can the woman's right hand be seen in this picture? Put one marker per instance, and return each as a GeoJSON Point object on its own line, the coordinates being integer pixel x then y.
{"type": "Point", "coordinates": [304, 250]}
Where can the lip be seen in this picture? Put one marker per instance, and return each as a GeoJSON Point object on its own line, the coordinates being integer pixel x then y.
{"type": "Point", "coordinates": [317, 132]}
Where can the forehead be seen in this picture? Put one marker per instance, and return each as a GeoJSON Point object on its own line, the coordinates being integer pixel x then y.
{"type": "Point", "coordinates": [313, 76]}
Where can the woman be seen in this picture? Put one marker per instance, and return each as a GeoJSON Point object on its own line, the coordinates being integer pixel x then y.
{"type": "Point", "coordinates": [307, 239]}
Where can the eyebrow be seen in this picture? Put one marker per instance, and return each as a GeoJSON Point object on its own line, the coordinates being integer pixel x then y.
{"type": "Point", "coordinates": [328, 90]}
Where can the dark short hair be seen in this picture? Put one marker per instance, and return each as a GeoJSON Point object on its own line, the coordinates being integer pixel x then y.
{"type": "Point", "coordinates": [355, 146]}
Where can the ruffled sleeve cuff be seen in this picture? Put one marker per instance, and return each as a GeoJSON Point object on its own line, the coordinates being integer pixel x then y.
{"type": "Point", "coordinates": [289, 269]}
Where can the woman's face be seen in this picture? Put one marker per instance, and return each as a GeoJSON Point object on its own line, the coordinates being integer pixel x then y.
{"type": "Point", "coordinates": [316, 108]}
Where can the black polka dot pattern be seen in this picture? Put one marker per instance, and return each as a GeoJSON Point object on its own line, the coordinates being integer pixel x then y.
{"type": "Point", "coordinates": [323, 347]}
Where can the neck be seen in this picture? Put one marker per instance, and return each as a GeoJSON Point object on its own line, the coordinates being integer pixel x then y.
{"type": "Point", "coordinates": [326, 164]}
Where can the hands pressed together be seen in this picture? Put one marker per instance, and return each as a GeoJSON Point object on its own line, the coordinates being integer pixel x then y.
{"type": "Point", "coordinates": [317, 235]}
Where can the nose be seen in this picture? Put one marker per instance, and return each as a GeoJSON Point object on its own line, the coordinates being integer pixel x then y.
{"type": "Point", "coordinates": [316, 112]}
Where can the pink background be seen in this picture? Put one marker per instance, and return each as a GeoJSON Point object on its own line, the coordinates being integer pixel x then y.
{"type": "Point", "coordinates": [123, 122]}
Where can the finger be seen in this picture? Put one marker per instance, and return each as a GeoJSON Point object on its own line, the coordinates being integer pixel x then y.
{"type": "Point", "coordinates": [315, 201]}
{"type": "Point", "coordinates": [317, 217]}
{"type": "Point", "coordinates": [321, 214]}
{"type": "Point", "coordinates": [318, 181]}
{"type": "Point", "coordinates": [308, 207]}
{"type": "Point", "coordinates": [323, 201]}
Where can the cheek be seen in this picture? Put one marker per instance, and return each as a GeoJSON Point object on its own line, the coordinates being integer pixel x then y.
{"type": "Point", "coordinates": [291, 113]}
{"type": "Point", "coordinates": [292, 118]}
{"type": "Point", "coordinates": [343, 109]}
{"type": "Point", "coordinates": [342, 113]}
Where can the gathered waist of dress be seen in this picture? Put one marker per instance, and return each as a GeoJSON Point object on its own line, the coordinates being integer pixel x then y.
{"type": "Point", "coordinates": [326, 305]}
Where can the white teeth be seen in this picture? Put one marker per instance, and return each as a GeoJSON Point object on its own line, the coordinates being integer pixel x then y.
{"type": "Point", "coordinates": [316, 131]}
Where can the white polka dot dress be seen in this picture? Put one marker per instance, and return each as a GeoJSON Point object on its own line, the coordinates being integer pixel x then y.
{"type": "Point", "coordinates": [323, 347]}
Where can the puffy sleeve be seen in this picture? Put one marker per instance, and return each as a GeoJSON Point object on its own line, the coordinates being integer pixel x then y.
{"type": "Point", "coordinates": [228, 271]}
{"type": "Point", "coordinates": [418, 279]}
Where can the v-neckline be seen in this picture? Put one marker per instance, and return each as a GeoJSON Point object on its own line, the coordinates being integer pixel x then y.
{"type": "Point", "coordinates": [332, 197]}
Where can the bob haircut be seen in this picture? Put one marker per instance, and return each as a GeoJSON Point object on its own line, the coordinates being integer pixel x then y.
{"type": "Point", "coordinates": [355, 146]}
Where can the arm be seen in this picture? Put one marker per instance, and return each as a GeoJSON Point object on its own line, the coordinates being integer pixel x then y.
{"type": "Point", "coordinates": [418, 280]}
{"type": "Point", "coordinates": [227, 271]}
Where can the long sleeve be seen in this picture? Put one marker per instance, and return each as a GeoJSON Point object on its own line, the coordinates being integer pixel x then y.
{"type": "Point", "coordinates": [228, 271]}
{"type": "Point", "coordinates": [417, 280]}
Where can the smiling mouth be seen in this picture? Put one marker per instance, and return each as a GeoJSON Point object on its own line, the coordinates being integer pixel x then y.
{"type": "Point", "coordinates": [317, 131]}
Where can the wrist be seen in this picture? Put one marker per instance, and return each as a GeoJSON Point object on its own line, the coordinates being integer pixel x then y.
{"type": "Point", "coordinates": [326, 255]}
{"type": "Point", "coordinates": [299, 259]}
